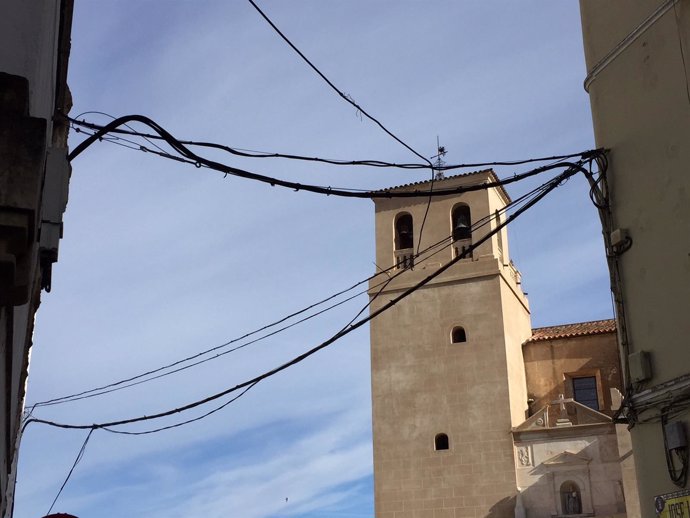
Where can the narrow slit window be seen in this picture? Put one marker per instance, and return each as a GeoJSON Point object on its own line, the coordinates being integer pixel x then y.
{"type": "Point", "coordinates": [441, 442]}
{"type": "Point", "coordinates": [458, 335]}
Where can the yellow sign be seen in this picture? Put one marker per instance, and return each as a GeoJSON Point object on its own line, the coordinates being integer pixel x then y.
{"type": "Point", "coordinates": [673, 505]}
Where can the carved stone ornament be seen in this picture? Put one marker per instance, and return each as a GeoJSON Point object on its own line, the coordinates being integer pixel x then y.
{"type": "Point", "coordinates": [523, 456]}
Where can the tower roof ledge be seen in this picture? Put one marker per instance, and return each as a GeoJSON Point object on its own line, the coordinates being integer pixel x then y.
{"type": "Point", "coordinates": [458, 180]}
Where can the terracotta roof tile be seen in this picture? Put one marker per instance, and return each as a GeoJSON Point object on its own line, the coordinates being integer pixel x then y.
{"type": "Point", "coordinates": [445, 178]}
{"type": "Point", "coordinates": [491, 172]}
{"type": "Point", "coordinates": [595, 327]}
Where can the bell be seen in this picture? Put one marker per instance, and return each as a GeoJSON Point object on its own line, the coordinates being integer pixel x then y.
{"type": "Point", "coordinates": [462, 230]}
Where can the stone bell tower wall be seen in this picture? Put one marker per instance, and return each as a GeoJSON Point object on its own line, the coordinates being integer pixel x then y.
{"type": "Point", "coordinates": [443, 411]}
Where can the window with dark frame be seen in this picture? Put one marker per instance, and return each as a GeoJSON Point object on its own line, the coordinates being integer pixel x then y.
{"type": "Point", "coordinates": [585, 391]}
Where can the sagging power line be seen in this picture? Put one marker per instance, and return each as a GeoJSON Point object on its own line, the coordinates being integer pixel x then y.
{"type": "Point", "coordinates": [77, 124]}
{"type": "Point", "coordinates": [343, 95]}
{"type": "Point", "coordinates": [545, 190]}
{"type": "Point", "coordinates": [184, 363]}
{"type": "Point", "coordinates": [186, 155]}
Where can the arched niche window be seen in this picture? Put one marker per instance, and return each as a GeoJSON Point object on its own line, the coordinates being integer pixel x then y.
{"type": "Point", "coordinates": [403, 232]}
{"type": "Point", "coordinates": [571, 498]}
{"type": "Point", "coordinates": [441, 442]}
{"type": "Point", "coordinates": [462, 222]}
{"type": "Point", "coordinates": [458, 335]}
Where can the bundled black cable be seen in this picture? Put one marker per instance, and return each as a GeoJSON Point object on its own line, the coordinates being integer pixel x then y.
{"type": "Point", "coordinates": [197, 358]}
{"type": "Point", "coordinates": [546, 189]}
{"type": "Point", "coordinates": [150, 137]}
{"type": "Point", "coordinates": [199, 161]}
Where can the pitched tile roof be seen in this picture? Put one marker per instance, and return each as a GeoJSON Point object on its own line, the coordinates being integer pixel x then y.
{"type": "Point", "coordinates": [492, 174]}
{"type": "Point", "coordinates": [595, 327]}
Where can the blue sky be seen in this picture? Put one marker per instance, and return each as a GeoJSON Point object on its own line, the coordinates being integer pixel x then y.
{"type": "Point", "coordinates": [160, 259]}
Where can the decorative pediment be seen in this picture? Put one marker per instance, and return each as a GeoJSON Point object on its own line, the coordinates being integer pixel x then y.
{"type": "Point", "coordinates": [567, 458]}
{"type": "Point", "coordinates": [536, 422]}
{"type": "Point", "coordinates": [586, 415]}
{"type": "Point", "coordinates": [562, 413]}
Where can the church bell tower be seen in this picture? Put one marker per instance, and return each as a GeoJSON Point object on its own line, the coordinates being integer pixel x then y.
{"type": "Point", "coordinates": [448, 379]}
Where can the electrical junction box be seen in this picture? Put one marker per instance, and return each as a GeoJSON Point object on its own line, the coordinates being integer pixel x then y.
{"type": "Point", "coordinates": [640, 365]}
{"type": "Point", "coordinates": [675, 435]}
{"type": "Point", "coordinates": [55, 190]}
{"type": "Point", "coordinates": [619, 236]}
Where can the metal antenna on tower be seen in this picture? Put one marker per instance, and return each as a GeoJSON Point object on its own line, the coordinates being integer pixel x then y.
{"type": "Point", "coordinates": [439, 163]}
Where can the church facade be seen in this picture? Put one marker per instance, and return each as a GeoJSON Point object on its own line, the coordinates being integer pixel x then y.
{"type": "Point", "coordinates": [475, 414]}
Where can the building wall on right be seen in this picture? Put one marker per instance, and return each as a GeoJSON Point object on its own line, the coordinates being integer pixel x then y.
{"type": "Point", "coordinates": [558, 365]}
{"type": "Point", "coordinates": [637, 56]}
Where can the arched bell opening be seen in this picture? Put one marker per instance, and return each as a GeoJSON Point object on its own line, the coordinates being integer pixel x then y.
{"type": "Point", "coordinates": [404, 241]}
{"type": "Point", "coordinates": [461, 222]}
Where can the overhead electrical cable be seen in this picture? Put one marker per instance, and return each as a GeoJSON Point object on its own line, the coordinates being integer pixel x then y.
{"type": "Point", "coordinates": [549, 187]}
{"type": "Point", "coordinates": [151, 140]}
{"type": "Point", "coordinates": [138, 381]}
{"type": "Point", "coordinates": [544, 190]}
{"type": "Point", "coordinates": [148, 376]}
{"type": "Point", "coordinates": [76, 123]}
{"type": "Point", "coordinates": [104, 389]}
{"type": "Point", "coordinates": [328, 191]}
{"type": "Point", "coordinates": [428, 206]}
{"type": "Point", "coordinates": [560, 158]}
{"type": "Point", "coordinates": [247, 389]}
{"type": "Point", "coordinates": [74, 465]}
{"type": "Point", "coordinates": [182, 423]}
{"type": "Point", "coordinates": [346, 97]}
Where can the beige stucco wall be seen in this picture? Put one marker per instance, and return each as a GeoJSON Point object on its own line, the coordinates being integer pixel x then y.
{"type": "Point", "coordinates": [516, 329]}
{"type": "Point", "coordinates": [438, 222]}
{"type": "Point", "coordinates": [549, 364]}
{"type": "Point", "coordinates": [627, 463]}
{"type": "Point", "coordinates": [422, 384]}
{"type": "Point", "coordinates": [641, 112]}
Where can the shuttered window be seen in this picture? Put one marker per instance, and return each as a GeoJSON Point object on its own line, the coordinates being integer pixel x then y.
{"type": "Point", "coordinates": [585, 391]}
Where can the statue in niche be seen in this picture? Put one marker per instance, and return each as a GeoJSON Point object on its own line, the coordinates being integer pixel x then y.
{"type": "Point", "coordinates": [570, 498]}
{"type": "Point", "coordinates": [572, 505]}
